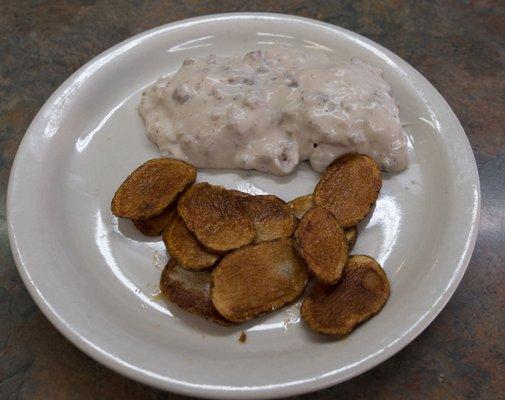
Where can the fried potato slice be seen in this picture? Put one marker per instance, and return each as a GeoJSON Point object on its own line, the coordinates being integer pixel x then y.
{"type": "Point", "coordinates": [271, 217]}
{"type": "Point", "coordinates": [190, 290]}
{"type": "Point", "coordinates": [351, 234]}
{"type": "Point", "coordinates": [301, 205]}
{"type": "Point", "coordinates": [216, 217]}
{"type": "Point", "coordinates": [240, 193]}
{"type": "Point", "coordinates": [257, 279]}
{"type": "Point", "coordinates": [348, 188]}
{"type": "Point", "coordinates": [154, 226]}
{"type": "Point", "coordinates": [321, 242]}
{"type": "Point", "coordinates": [183, 246]}
{"type": "Point", "coordinates": [359, 294]}
{"type": "Point", "coordinates": [151, 188]}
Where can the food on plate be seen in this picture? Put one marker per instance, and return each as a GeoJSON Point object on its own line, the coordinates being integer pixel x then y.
{"type": "Point", "coordinates": [151, 188]}
{"type": "Point", "coordinates": [216, 217]}
{"type": "Point", "coordinates": [358, 295]}
{"type": "Point", "coordinates": [190, 290]}
{"type": "Point", "coordinates": [154, 226]}
{"type": "Point", "coordinates": [235, 256]}
{"type": "Point", "coordinates": [185, 248]}
{"type": "Point", "coordinates": [271, 109]}
{"type": "Point", "coordinates": [348, 188]}
{"type": "Point", "coordinates": [271, 217]}
{"type": "Point", "coordinates": [240, 193]}
{"type": "Point", "coordinates": [268, 110]}
{"type": "Point", "coordinates": [301, 205]}
{"type": "Point", "coordinates": [321, 242]}
{"type": "Point", "coordinates": [351, 234]}
{"type": "Point", "coordinates": [257, 279]}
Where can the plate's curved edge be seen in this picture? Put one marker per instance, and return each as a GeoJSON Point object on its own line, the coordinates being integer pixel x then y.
{"type": "Point", "coordinates": [263, 392]}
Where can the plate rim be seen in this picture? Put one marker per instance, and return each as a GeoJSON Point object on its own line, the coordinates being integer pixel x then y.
{"type": "Point", "coordinates": [293, 388]}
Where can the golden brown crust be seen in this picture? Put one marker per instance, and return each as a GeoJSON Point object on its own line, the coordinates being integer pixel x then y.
{"type": "Point", "coordinates": [183, 246]}
{"type": "Point", "coordinates": [301, 205]}
{"type": "Point", "coordinates": [348, 188]}
{"type": "Point", "coordinates": [154, 226]}
{"type": "Point", "coordinates": [271, 217]}
{"type": "Point", "coordinates": [359, 294]}
{"type": "Point", "coordinates": [320, 241]}
{"type": "Point", "coordinates": [351, 234]}
{"type": "Point", "coordinates": [190, 291]}
{"type": "Point", "coordinates": [216, 217]}
{"type": "Point", "coordinates": [151, 188]}
{"type": "Point", "coordinates": [257, 279]}
{"type": "Point", "coordinates": [239, 193]}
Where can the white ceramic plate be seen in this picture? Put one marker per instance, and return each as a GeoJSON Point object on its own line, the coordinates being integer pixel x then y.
{"type": "Point", "coordinates": [96, 278]}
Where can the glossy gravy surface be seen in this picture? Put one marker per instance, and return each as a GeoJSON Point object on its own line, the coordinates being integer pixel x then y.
{"type": "Point", "coordinates": [271, 109]}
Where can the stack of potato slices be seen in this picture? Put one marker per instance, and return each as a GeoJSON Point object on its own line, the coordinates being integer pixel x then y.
{"type": "Point", "coordinates": [235, 256]}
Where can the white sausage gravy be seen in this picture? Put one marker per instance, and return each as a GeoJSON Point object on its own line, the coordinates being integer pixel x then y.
{"type": "Point", "coordinates": [271, 109]}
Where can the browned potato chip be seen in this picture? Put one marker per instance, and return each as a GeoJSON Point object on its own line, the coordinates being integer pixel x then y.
{"type": "Point", "coordinates": [301, 205]}
{"type": "Point", "coordinates": [183, 246]}
{"type": "Point", "coordinates": [240, 194]}
{"type": "Point", "coordinates": [351, 234]}
{"type": "Point", "coordinates": [320, 241]}
{"type": "Point", "coordinates": [348, 188]}
{"type": "Point", "coordinates": [154, 226]}
{"type": "Point", "coordinates": [257, 279]}
{"type": "Point", "coordinates": [151, 188]}
{"type": "Point", "coordinates": [216, 217]}
{"type": "Point", "coordinates": [271, 217]}
{"type": "Point", "coordinates": [190, 290]}
{"type": "Point", "coordinates": [359, 294]}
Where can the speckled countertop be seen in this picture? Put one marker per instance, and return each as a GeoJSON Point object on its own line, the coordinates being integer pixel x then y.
{"type": "Point", "coordinates": [458, 46]}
